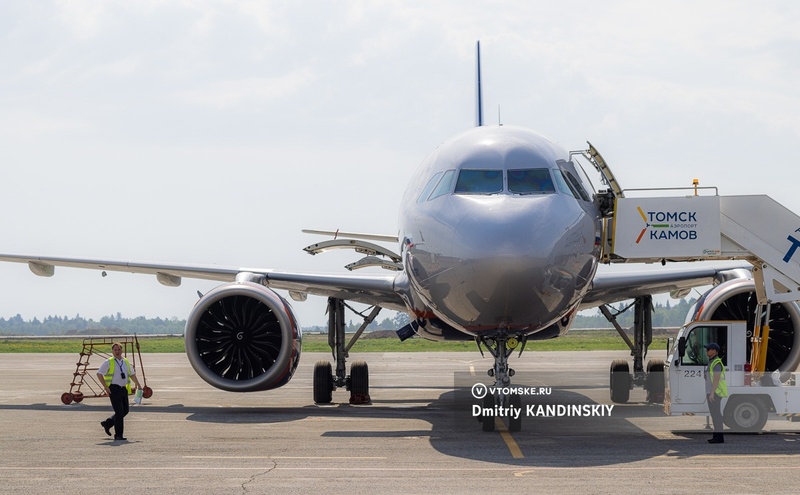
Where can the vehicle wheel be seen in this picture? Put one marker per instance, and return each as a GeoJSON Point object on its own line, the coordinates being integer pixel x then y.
{"type": "Point", "coordinates": [620, 381]}
{"type": "Point", "coordinates": [515, 424]}
{"type": "Point", "coordinates": [66, 398]}
{"type": "Point", "coordinates": [745, 414]}
{"type": "Point", "coordinates": [655, 381]}
{"type": "Point", "coordinates": [147, 392]}
{"type": "Point", "coordinates": [487, 422]}
{"type": "Point", "coordinates": [323, 382]}
{"type": "Point", "coordinates": [77, 396]}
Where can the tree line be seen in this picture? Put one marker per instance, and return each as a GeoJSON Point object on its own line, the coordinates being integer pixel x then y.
{"type": "Point", "coordinates": [663, 316]}
{"type": "Point", "coordinates": [107, 325]}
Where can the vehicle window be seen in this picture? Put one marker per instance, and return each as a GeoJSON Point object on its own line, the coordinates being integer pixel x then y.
{"type": "Point", "coordinates": [479, 182]}
{"type": "Point", "coordinates": [445, 185]}
{"type": "Point", "coordinates": [429, 187]}
{"type": "Point", "coordinates": [530, 181]}
{"type": "Point", "coordinates": [696, 342]}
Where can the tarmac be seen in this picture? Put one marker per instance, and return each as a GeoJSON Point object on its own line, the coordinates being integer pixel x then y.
{"type": "Point", "coordinates": [417, 437]}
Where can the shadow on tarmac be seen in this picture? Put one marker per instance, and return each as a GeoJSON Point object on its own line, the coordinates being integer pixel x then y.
{"type": "Point", "coordinates": [543, 441]}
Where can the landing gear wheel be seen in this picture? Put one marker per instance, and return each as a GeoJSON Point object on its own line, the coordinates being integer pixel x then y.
{"type": "Point", "coordinates": [487, 422]}
{"type": "Point", "coordinates": [620, 381]}
{"type": "Point", "coordinates": [323, 382]}
{"type": "Point", "coordinates": [515, 424]}
{"type": "Point", "coordinates": [77, 396]}
{"type": "Point", "coordinates": [147, 392]}
{"type": "Point", "coordinates": [655, 381]}
{"type": "Point", "coordinates": [66, 398]}
{"type": "Point", "coordinates": [359, 383]}
{"type": "Point", "coordinates": [745, 414]}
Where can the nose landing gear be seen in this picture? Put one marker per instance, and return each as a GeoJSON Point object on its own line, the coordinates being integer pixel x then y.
{"type": "Point", "coordinates": [501, 347]}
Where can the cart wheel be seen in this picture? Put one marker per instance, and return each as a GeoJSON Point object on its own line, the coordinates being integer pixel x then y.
{"type": "Point", "coordinates": [147, 392]}
{"type": "Point", "coordinates": [77, 396]}
{"type": "Point", "coordinates": [66, 398]}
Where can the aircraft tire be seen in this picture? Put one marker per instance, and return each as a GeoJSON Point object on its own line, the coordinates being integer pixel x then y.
{"type": "Point", "coordinates": [620, 381]}
{"type": "Point", "coordinates": [323, 382]}
{"type": "Point", "coordinates": [487, 422]}
{"type": "Point", "coordinates": [655, 381]}
{"type": "Point", "coordinates": [515, 424]}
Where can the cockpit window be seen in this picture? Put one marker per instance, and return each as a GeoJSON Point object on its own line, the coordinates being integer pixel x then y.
{"type": "Point", "coordinates": [569, 185]}
{"type": "Point", "coordinates": [429, 187]}
{"type": "Point", "coordinates": [576, 186]}
{"type": "Point", "coordinates": [445, 185]}
{"type": "Point", "coordinates": [563, 186]}
{"type": "Point", "coordinates": [479, 182]}
{"type": "Point", "coordinates": [530, 181]}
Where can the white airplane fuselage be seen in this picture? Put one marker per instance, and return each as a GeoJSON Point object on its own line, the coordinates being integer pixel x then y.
{"type": "Point", "coordinates": [499, 234]}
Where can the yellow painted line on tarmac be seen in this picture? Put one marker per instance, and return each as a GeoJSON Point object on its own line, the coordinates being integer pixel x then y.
{"type": "Point", "coordinates": [472, 370]}
{"type": "Point", "coordinates": [516, 452]}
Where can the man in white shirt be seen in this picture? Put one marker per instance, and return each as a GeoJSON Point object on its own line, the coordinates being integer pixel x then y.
{"type": "Point", "coordinates": [116, 374]}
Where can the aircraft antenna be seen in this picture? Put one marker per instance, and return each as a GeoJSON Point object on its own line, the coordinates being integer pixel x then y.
{"type": "Point", "coordinates": [478, 88]}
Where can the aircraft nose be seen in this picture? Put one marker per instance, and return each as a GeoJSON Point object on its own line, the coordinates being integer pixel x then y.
{"type": "Point", "coordinates": [502, 228]}
{"type": "Point", "coordinates": [515, 262]}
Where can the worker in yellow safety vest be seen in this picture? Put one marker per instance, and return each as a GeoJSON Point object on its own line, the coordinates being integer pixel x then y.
{"type": "Point", "coordinates": [716, 389]}
{"type": "Point", "coordinates": [116, 374]}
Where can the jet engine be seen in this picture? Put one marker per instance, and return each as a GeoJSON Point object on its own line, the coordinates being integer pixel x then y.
{"type": "Point", "coordinates": [243, 337]}
{"type": "Point", "coordinates": [736, 300]}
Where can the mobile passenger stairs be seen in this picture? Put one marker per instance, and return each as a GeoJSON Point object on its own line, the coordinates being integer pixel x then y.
{"type": "Point", "coordinates": [84, 380]}
{"type": "Point", "coordinates": [701, 225]}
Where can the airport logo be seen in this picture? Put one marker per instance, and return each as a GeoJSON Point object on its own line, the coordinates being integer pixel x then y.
{"type": "Point", "coordinates": [668, 225]}
{"type": "Point", "coordinates": [664, 228]}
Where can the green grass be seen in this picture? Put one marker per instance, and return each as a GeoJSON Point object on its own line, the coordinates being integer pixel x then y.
{"type": "Point", "coordinates": [159, 344]}
{"type": "Point", "coordinates": [577, 340]}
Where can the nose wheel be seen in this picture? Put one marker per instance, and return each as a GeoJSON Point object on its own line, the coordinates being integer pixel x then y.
{"type": "Point", "coordinates": [501, 347]}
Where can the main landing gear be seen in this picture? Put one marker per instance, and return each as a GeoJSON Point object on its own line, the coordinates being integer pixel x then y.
{"type": "Point", "coordinates": [325, 380]}
{"type": "Point", "coordinates": [621, 381]}
{"type": "Point", "coordinates": [501, 347]}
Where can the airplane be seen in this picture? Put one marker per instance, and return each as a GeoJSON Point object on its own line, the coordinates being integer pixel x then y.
{"type": "Point", "coordinates": [499, 240]}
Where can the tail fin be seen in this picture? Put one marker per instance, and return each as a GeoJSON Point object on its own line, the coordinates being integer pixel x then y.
{"type": "Point", "coordinates": [478, 88]}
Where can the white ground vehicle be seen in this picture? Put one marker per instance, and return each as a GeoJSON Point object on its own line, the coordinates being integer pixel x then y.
{"type": "Point", "coordinates": [752, 399]}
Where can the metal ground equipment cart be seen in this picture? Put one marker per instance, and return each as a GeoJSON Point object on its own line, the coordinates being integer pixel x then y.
{"type": "Point", "coordinates": [84, 380]}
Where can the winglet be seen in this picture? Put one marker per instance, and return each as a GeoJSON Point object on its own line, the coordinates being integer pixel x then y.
{"type": "Point", "coordinates": [478, 88]}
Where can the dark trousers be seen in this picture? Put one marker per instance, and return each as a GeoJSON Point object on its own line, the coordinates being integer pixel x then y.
{"type": "Point", "coordinates": [119, 401]}
{"type": "Point", "coordinates": [715, 408]}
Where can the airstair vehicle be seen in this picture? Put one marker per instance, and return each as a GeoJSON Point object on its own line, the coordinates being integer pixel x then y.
{"type": "Point", "coordinates": [754, 316]}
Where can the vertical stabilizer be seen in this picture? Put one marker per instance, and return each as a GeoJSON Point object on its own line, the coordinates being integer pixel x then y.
{"type": "Point", "coordinates": [478, 88]}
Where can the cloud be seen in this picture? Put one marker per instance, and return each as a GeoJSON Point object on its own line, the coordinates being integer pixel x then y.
{"type": "Point", "coordinates": [245, 92]}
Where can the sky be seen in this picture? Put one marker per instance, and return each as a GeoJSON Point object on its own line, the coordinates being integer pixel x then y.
{"type": "Point", "coordinates": [212, 132]}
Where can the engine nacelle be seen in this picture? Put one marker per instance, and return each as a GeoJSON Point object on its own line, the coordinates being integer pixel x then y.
{"type": "Point", "coordinates": [243, 337]}
{"type": "Point", "coordinates": [736, 300]}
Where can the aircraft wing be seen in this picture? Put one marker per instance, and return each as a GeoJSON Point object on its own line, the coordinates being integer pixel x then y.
{"type": "Point", "coordinates": [369, 289]}
{"type": "Point", "coordinates": [610, 287]}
